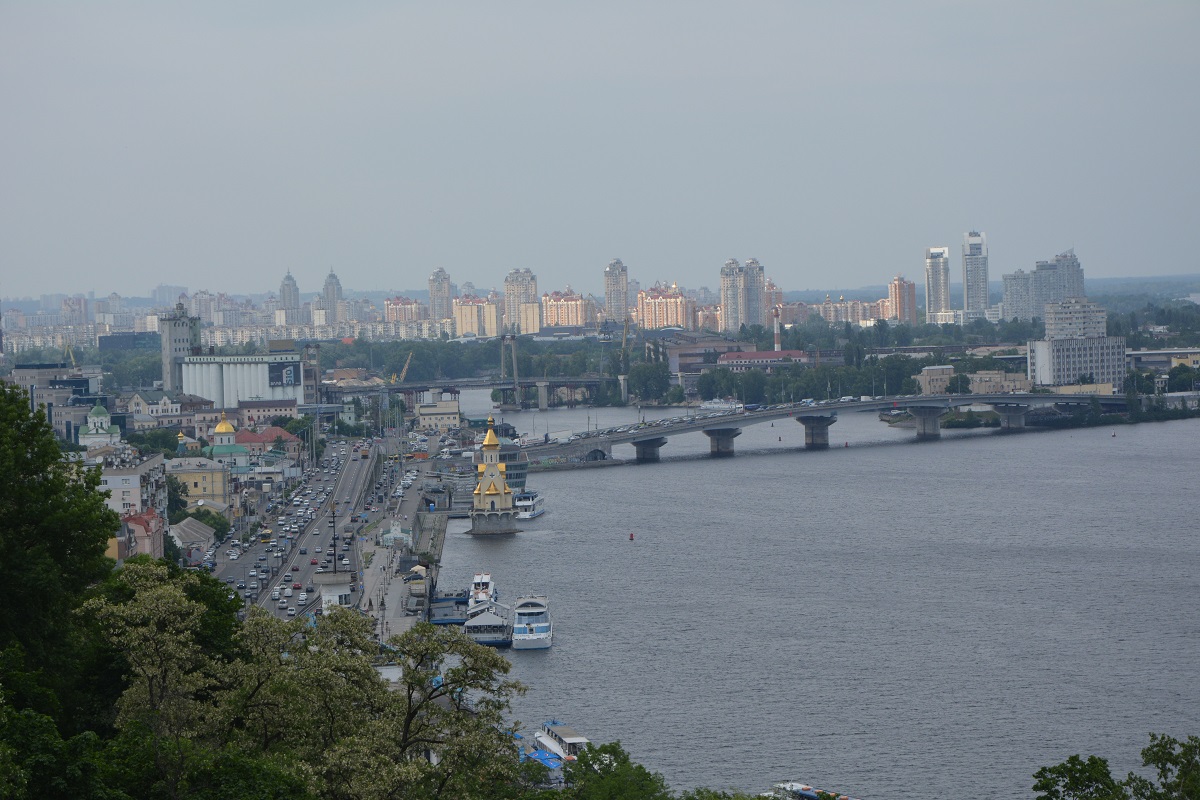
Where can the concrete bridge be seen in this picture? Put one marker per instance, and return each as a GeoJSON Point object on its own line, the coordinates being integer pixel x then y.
{"type": "Point", "coordinates": [722, 427]}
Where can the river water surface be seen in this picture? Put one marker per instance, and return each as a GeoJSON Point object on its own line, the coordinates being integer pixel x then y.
{"type": "Point", "coordinates": [886, 618]}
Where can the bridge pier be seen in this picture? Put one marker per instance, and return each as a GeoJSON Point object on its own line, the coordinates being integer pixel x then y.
{"type": "Point", "coordinates": [928, 427]}
{"type": "Point", "coordinates": [623, 380]}
{"type": "Point", "coordinates": [720, 441]}
{"type": "Point", "coordinates": [816, 431]}
{"type": "Point", "coordinates": [647, 449]}
{"type": "Point", "coordinates": [543, 389]}
{"type": "Point", "coordinates": [1012, 418]}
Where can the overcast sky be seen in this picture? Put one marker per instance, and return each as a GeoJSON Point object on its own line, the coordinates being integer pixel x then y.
{"type": "Point", "coordinates": [219, 144]}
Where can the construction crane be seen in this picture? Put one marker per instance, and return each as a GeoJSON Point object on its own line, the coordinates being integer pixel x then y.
{"type": "Point", "coordinates": [404, 371]}
{"type": "Point", "coordinates": [69, 352]}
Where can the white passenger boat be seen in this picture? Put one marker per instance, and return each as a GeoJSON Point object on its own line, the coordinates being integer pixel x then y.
{"type": "Point", "coordinates": [561, 739]}
{"type": "Point", "coordinates": [482, 592]}
{"type": "Point", "coordinates": [487, 625]}
{"type": "Point", "coordinates": [529, 505]}
{"type": "Point", "coordinates": [532, 628]}
{"type": "Point", "coordinates": [795, 790]}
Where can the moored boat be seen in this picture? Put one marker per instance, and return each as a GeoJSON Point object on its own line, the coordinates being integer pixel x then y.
{"type": "Point", "coordinates": [529, 505]}
{"type": "Point", "coordinates": [532, 628]}
{"type": "Point", "coordinates": [561, 739]}
{"type": "Point", "coordinates": [795, 790]}
{"type": "Point", "coordinates": [487, 625]}
{"type": "Point", "coordinates": [448, 608]}
{"type": "Point", "coordinates": [482, 591]}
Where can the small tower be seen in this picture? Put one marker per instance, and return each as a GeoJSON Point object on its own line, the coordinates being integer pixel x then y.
{"type": "Point", "coordinates": [492, 507]}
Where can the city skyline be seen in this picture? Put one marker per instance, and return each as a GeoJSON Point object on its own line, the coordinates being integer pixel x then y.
{"type": "Point", "coordinates": [513, 138]}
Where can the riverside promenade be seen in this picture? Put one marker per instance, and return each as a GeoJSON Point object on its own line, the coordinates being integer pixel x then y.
{"type": "Point", "coordinates": [385, 596]}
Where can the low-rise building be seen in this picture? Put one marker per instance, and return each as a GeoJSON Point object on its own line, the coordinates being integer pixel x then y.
{"type": "Point", "coordinates": [204, 478]}
{"type": "Point", "coordinates": [441, 414]}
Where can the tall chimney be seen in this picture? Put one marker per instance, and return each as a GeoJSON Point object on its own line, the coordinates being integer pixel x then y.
{"type": "Point", "coordinates": [775, 314]}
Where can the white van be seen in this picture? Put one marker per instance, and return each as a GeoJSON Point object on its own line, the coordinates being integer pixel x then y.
{"type": "Point", "coordinates": [287, 592]}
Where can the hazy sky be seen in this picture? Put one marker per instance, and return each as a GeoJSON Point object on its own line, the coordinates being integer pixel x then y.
{"type": "Point", "coordinates": [219, 144]}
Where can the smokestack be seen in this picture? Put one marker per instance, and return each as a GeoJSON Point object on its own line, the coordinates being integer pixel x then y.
{"type": "Point", "coordinates": [775, 314]}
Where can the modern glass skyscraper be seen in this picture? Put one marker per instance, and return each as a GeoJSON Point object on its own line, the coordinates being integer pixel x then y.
{"type": "Point", "coordinates": [440, 295]}
{"type": "Point", "coordinates": [616, 292]}
{"type": "Point", "coordinates": [975, 274]}
{"type": "Point", "coordinates": [937, 280]}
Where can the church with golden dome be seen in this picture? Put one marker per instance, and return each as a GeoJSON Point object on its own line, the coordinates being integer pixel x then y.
{"type": "Point", "coordinates": [492, 509]}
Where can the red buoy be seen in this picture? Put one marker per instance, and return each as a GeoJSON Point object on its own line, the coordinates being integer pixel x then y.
{"type": "Point", "coordinates": [631, 537]}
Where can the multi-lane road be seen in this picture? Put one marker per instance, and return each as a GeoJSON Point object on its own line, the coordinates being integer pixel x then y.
{"type": "Point", "coordinates": [311, 531]}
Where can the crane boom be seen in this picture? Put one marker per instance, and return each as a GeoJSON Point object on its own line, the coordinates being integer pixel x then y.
{"type": "Point", "coordinates": [404, 371]}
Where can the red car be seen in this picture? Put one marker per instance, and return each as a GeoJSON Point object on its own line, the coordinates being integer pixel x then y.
{"type": "Point", "coordinates": [312, 561]}
{"type": "Point", "coordinates": [297, 586]}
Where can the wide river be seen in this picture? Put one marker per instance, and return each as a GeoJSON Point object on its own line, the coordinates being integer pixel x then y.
{"type": "Point", "coordinates": [885, 618]}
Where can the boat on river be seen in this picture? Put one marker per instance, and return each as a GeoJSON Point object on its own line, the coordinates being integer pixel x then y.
{"type": "Point", "coordinates": [795, 790]}
{"type": "Point", "coordinates": [482, 591]}
{"type": "Point", "coordinates": [529, 504]}
{"type": "Point", "coordinates": [488, 625]}
{"type": "Point", "coordinates": [532, 628]}
{"type": "Point", "coordinates": [561, 739]}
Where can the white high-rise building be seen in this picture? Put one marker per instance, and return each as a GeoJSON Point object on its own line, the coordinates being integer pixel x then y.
{"type": "Point", "coordinates": [975, 275]}
{"type": "Point", "coordinates": [937, 280]}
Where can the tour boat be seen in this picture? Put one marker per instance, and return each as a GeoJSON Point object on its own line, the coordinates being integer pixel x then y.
{"type": "Point", "coordinates": [528, 505]}
{"type": "Point", "coordinates": [795, 790]}
{"type": "Point", "coordinates": [532, 628]}
{"type": "Point", "coordinates": [486, 625]}
{"type": "Point", "coordinates": [561, 739]}
{"type": "Point", "coordinates": [482, 592]}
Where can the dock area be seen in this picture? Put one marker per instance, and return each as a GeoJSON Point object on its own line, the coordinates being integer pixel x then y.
{"type": "Point", "coordinates": [401, 567]}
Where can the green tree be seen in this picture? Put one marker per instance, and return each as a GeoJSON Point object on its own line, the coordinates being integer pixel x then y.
{"type": "Point", "coordinates": [1177, 766]}
{"type": "Point", "coordinates": [959, 384]}
{"type": "Point", "coordinates": [177, 494]}
{"type": "Point", "coordinates": [1077, 779]}
{"type": "Point", "coordinates": [52, 540]}
{"type": "Point", "coordinates": [606, 772]}
{"type": "Point", "coordinates": [649, 381]}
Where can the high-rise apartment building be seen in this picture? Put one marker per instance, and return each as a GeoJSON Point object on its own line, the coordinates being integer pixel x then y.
{"type": "Point", "coordinates": [440, 295]}
{"type": "Point", "coordinates": [476, 316]}
{"type": "Point", "coordinates": [166, 296]}
{"type": "Point", "coordinates": [401, 309]}
{"type": "Point", "coordinates": [975, 275]}
{"type": "Point", "coordinates": [289, 293]}
{"type": "Point", "coordinates": [902, 300]}
{"type": "Point", "coordinates": [742, 292]}
{"type": "Point", "coordinates": [1075, 318]}
{"type": "Point", "coordinates": [665, 307]}
{"type": "Point", "coordinates": [1076, 348]}
{"type": "Point", "coordinates": [180, 338]}
{"type": "Point", "coordinates": [616, 292]}
{"type": "Point", "coordinates": [567, 309]}
{"type": "Point", "coordinates": [520, 288]}
{"type": "Point", "coordinates": [1018, 296]}
{"type": "Point", "coordinates": [937, 281]}
{"type": "Point", "coordinates": [1026, 294]}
